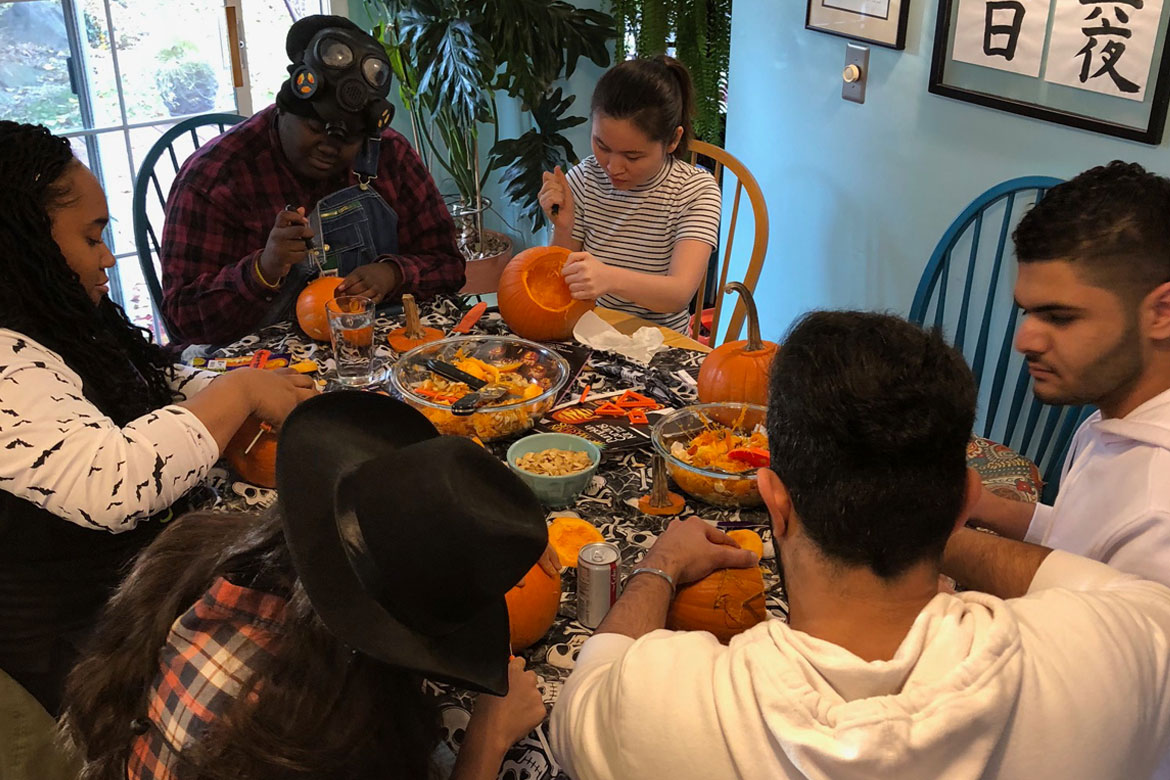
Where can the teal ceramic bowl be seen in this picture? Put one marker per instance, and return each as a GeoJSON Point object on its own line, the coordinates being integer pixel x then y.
{"type": "Point", "coordinates": [555, 491]}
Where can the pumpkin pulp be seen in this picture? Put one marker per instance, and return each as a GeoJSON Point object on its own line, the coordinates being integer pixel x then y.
{"type": "Point", "coordinates": [545, 285]}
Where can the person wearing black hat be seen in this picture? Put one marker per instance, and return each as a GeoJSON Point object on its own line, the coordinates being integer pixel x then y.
{"type": "Point", "coordinates": [316, 184]}
{"type": "Point", "coordinates": [295, 645]}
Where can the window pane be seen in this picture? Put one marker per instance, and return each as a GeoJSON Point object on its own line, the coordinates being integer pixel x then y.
{"type": "Point", "coordinates": [174, 63]}
{"type": "Point", "coordinates": [34, 66]}
{"type": "Point", "coordinates": [266, 24]}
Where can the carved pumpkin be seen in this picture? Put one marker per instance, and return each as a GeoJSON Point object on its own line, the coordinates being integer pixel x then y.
{"type": "Point", "coordinates": [414, 333]}
{"type": "Point", "coordinates": [725, 602]}
{"type": "Point", "coordinates": [534, 300]}
{"type": "Point", "coordinates": [311, 306]}
{"type": "Point", "coordinates": [568, 535]}
{"type": "Point", "coordinates": [738, 370]}
{"type": "Point", "coordinates": [258, 466]}
{"type": "Point", "coordinates": [532, 607]}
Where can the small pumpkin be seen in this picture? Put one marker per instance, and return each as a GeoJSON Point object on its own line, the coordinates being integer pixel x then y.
{"type": "Point", "coordinates": [748, 540]}
{"type": "Point", "coordinates": [534, 299]}
{"type": "Point", "coordinates": [726, 602]}
{"type": "Point", "coordinates": [532, 607]}
{"type": "Point", "coordinates": [738, 370]}
{"type": "Point", "coordinates": [311, 306]}
{"type": "Point", "coordinates": [258, 465]}
{"type": "Point", "coordinates": [414, 333]}
{"type": "Point", "coordinates": [568, 535]}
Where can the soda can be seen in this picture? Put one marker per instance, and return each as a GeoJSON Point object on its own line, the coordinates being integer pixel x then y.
{"type": "Point", "coordinates": [598, 581]}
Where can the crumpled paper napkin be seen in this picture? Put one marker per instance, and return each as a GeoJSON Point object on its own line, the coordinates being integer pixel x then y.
{"type": "Point", "coordinates": [592, 331]}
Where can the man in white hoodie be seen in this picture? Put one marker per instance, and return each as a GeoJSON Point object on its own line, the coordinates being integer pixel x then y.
{"type": "Point", "coordinates": [876, 674]}
{"type": "Point", "coordinates": [1094, 283]}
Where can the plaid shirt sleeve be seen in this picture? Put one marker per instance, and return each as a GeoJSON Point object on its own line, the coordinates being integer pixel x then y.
{"type": "Point", "coordinates": [211, 653]}
{"type": "Point", "coordinates": [431, 263]}
{"type": "Point", "coordinates": [210, 291]}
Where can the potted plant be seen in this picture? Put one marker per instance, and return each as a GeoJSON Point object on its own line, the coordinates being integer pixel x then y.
{"type": "Point", "coordinates": [453, 57]}
{"type": "Point", "coordinates": [186, 85]}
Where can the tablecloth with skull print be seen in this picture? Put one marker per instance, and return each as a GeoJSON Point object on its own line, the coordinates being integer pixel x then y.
{"type": "Point", "coordinates": [607, 503]}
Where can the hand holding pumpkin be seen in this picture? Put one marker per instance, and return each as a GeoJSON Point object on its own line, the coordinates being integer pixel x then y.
{"type": "Point", "coordinates": [502, 721]}
{"type": "Point", "coordinates": [588, 278]}
{"type": "Point", "coordinates": [691, 549]}
{"type": "Point", "coordinates": [272, 394]}
{"type": "Point", "coordinates": [373, 280]}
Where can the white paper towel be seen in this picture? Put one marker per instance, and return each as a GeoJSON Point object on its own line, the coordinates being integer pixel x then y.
{"type": "Point", "coordinates": [595, 332]}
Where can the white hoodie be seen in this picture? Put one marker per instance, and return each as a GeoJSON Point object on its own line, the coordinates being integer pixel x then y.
{"type": "Point", "coordinates": [1114, 500]}
{"type": "Point", "coordinates": [1062, 683]}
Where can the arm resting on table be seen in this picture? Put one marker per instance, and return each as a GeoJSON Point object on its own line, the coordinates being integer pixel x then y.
{"type": "Point", "coordinates": [992, 564]}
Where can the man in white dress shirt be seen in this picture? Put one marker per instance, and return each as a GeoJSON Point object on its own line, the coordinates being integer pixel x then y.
{"type": "Point", "coordinates": [876, 674]}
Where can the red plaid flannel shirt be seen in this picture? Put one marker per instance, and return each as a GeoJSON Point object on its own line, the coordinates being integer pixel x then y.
{"type": "Point", "coordinates": [211, 652]}
{"type": "Point", "coordinates": [224, 203]}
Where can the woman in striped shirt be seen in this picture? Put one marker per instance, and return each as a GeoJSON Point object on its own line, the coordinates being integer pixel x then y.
{"type": "Point", "coordinates": [639, 220]}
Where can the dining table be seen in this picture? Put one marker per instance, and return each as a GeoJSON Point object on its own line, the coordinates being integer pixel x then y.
{"type": "Point", "coordinates": [609, 501]}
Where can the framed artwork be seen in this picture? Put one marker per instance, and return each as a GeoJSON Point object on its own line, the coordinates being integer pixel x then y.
{"type": "Point", "coordinates": [871, 21]}
{"type": "Point", "coordinates": [1099, 65]}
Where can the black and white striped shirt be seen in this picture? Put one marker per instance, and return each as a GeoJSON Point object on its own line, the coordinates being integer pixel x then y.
{"type": "Point", "coordinates": [638, 228]}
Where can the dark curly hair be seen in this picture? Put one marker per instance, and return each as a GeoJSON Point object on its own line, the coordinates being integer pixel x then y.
{"type": "Point", "coordinates": [124, 373]}
{"type": "Point", "coordinates": [314, 709]}
{"type": "Point", "coordinates": [868, 422]}
{"type": "Point", "coordinates": [1112, 220]}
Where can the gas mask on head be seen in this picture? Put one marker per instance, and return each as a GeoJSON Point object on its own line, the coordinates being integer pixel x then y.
{"type": "Point", "coordinates": [347, 78]}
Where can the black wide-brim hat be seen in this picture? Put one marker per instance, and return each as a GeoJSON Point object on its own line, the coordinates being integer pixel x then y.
{"type": "Point", "coordinates": [405, 541]}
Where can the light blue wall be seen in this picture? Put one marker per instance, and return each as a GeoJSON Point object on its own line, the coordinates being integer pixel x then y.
{"type": "Point", "coordinates": [859, 194]}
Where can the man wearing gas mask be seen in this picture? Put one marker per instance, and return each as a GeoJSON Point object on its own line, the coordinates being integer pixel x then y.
{"type": "Point", "coordinates": [315, 184]}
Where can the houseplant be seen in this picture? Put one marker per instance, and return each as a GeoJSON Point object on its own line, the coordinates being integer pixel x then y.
{"type": "Point", "coordinates": [452, 58]}
{"type": "Point", "coordinates": [697, 32]}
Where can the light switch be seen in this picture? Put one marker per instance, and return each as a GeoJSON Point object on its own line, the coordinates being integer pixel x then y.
{"type": "Point", "coordinates": [856, 72]}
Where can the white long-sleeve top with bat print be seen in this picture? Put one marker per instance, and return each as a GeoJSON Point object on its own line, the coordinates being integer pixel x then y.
{"type": "Point", "coordinates": [60, 452]}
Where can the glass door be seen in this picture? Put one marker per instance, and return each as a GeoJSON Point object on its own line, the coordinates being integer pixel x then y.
{"type": "Point", "coordinates": [114, 75]}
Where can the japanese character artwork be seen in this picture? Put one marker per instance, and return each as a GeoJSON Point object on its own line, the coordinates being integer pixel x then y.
{"type": "Point", "coordinates": [1104, 45]}
{"type": "Point", "coordinates": [1002, 34]}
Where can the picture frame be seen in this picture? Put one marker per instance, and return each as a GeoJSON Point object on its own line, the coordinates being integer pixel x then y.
{"type": "Point", "coordinates": [1044, 98]}
{"type": "Point", "coordinates": [880, 22]}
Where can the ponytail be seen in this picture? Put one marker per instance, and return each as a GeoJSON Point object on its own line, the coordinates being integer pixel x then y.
{"type": "Point", "coordinates": [656, 94]}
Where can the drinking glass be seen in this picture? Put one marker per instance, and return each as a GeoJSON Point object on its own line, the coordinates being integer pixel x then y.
{"type": "Point", "coordinates": [351, 327]}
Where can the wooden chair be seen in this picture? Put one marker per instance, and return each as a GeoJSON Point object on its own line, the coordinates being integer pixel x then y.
{"type": "Point", "coordinates": [145, 218]}
{"type": "Point", "coordinates": [966, 290]}
{"type": "Point", "coordinates": [709, 319]}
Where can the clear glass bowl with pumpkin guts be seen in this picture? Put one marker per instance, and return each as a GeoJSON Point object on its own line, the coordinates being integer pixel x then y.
{"type": "Point", "coordinates": [520, 382]}
{"type": "Point", "coordinates": [713, 451]}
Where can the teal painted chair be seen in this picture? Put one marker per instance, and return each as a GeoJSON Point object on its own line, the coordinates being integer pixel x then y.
{"type": "Point", "coordinates": [156, 179]}
{"type": "Point", "coordinates": [967, 291]}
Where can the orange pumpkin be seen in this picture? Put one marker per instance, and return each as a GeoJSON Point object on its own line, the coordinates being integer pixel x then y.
{"type": "Point", "coordinates": [568, 535]}
{"type": "Point", "coordinates": [311, 306]}
{"type": "Point", "coordinates": [258, 466]}
{"type": "Point", "coordinates": [532, 607]}
{"type": "Point", "coordinates": [414, 333]}
{"type": "Point", "coordinates": [748, 540]}
{"type": "Point", "coordinates": [534, 300]}
{"type": "Point", "coordinates": [738, 370]}
{"type": "Point", "coordinates": [725, 602]}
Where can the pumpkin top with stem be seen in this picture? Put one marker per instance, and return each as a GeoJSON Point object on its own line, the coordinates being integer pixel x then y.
{"type": "Point", "coordinates": [754, 342]}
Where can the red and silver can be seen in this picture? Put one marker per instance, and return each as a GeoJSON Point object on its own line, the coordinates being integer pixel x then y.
{"type": "Point", "coordinates": [598, 581]}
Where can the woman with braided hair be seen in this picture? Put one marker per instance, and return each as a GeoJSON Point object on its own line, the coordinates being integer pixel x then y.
{"type": "Point", "coordinates": [98, 431]}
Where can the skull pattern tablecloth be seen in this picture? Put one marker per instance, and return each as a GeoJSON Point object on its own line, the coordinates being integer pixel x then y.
{"type": "Point", "coordinates": [607, 503]}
